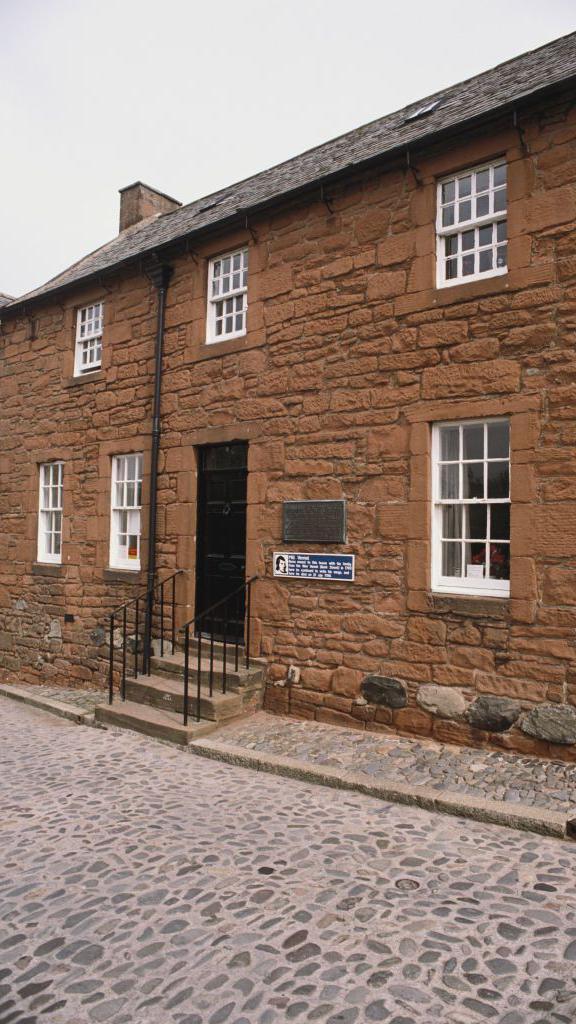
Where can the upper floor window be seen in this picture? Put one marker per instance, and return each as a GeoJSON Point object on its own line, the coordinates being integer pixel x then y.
{"type": "Point", "coordinates": [471, 514]}
{"type": "Point", "coordinates": [125, 529]}
{"type": "Point", "coordinates": [89, 338]}
{"type": "Point", "coordinates": [471, 226]}
{"type": "Point", "coordinates": [50, 512]}
{"type": "Point", "coordinates": [227, 296]}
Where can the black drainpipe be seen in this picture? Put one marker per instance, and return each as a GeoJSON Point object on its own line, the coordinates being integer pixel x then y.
{"type": "Point", "coordinates": [160, 274]}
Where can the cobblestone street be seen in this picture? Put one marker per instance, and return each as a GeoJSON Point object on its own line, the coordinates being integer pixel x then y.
{"type": "Point", "coordinates": [140, 885]}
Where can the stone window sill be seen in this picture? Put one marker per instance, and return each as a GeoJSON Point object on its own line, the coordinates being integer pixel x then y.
{"type": "Point", "coordinates": [85, 378]}
{"type": "Point", "coordinates": [462, 604]}
{"type": "Point", "coordinates": [121, 575]}
{"type": "Point", "coordinates": [47, 569]}
{"type": "Point", "coordinates": [211, 350]}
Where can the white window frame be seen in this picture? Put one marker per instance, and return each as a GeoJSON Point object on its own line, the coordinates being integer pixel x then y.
{"type": "Point", "coordinates": [50, 506]}
{"type": "Point", "coordinates": [218, 294]}
{"type": "Point", "coordinates": [460, 227]}
{"type": "Point", "coordinates": [454, 584]}
{"type": "Point", "coordinates": [125, 510]}
{"type": "Point", "coordinates": [89, 330]}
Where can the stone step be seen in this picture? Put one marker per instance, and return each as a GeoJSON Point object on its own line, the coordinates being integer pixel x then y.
{"type": "Point", "coordinates": [172, 666]}
{"type": "Point", "coordinates": [168, 695]}
{"type": "Point", "coordinates": [163, 725]}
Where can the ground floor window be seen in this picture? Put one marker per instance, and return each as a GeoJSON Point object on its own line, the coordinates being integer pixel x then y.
{"type": "Point", "coordinates": [126, 511]}
{"type": "Point", "coordinates": [471, 507]}
{"type": "Point", "coordinates": [50, 512]}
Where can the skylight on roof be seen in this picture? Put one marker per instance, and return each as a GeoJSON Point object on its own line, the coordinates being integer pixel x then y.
{"type": "Point", "coordinates": [422, 111]}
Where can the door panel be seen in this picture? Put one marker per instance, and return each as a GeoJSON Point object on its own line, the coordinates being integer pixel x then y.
{"type": "Point", "coordinates": [221, 550]}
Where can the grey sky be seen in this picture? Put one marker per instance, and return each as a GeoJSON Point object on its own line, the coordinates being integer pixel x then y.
{"type": "Point", "coordinates": [191, 96]}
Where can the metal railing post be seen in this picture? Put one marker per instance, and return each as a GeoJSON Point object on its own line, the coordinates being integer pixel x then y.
{"type": "Point", "coordinates": [124, 639]}
{"type": "Point", "coordinates": [186, 670]}
{"type": "Point", "coordinates": [136, 625]}
{"type": "Point", "coordinates": [248, 625]}
{"type": "Point", "coordinates": [111, 665]}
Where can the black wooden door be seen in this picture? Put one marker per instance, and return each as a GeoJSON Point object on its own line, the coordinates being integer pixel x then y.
{"type": "Point", "coordinates": [221, 534]}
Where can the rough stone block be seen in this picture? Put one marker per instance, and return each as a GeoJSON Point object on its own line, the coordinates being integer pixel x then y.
{"type": "Point", "coordinates": [493, 714]}
{"type": "Point", "coordinates": [383, 690]}
{"type": "Point", "coordinates": [443, 701]}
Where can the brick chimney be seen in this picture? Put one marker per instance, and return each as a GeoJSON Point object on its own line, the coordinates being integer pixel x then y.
{"type": "Point", "coordinates": [139, 201]}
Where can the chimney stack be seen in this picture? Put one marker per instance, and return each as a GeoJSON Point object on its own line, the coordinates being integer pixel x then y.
{"type": "Point", "coordinates": [139, 201]}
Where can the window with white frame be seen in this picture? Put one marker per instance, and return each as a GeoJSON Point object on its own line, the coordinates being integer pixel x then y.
{"type": "Point", "coordinates": [89, 322]}
{"type": "Point", "coordinates": [50, 512]}
{"type": "Point", "coordinates": [126, 511]}
{"type": "Point", "coordinates": [471, 507]}
{"type": "Point", "coordinates": [471, 227]}
{"type": "Point", "coordinates": [227, 296]}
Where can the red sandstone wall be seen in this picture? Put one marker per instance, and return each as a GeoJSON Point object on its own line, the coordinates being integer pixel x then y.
{"type": "Point", "coordinates": [351, 354]}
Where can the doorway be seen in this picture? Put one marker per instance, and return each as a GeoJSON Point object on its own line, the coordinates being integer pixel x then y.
{"type": "Point", "coordinates": [221, 533]}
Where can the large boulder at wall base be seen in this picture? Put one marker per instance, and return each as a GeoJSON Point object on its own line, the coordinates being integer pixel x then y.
{"type": "Point", "coordinates": [493, 714]}
{"type": "Point", "coordinates": [383, 690]}
{"type": "Point", "coordinates": [443, 701]}
{"type": "Point", "coordinates": [555, 723]}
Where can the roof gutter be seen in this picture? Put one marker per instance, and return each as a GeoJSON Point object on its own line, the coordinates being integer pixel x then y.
{"type": "Point", "coordinates": [309, 188]}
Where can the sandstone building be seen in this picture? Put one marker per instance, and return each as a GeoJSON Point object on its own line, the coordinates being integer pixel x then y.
{"type": "Point", "coordinates": [386, 321]}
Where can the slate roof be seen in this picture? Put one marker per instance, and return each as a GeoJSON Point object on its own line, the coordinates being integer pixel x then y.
{"type": "Point", "coordinates": [500, 88]}
{"type": "Point", "coordinates": [5, 299]}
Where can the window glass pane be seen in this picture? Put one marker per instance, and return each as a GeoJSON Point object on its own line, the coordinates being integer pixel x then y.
{"type": "Point", "coordinates": [451, 243]}
{"type": "Point", "coordinates": [451, 269]}
{"type": "Point", "coordinates": [132, 546]}
{"type": "Point", "coordinates": [500, 561]}
{"type": "Point", "coordinates": [447, 216]}
{"type": "Point", "coordinates": [501, 258]}
{"type": "Point", "coordinates": [449, 443]}
{"type": "Point", "coordinates": [473, 441]}
{"type": "Point", "coordinates": [465, 186]}
{"type": "Point", "coordinates": [500, 200]}
{"type": "Point", "coordinates": [452, 521]}
{"type": "Point", "coordinates": [451, 559]}
{"type": "Point", "coordinates": [467, 265]}
{"type": "Point", "coordinates": [498, 440]}
{"type": "Point", "coordinates": [464, 210]}
{"type": "Point", "coordinates": [449, 481]}
{"type": "Point", "coordinates": [498, 480]}
{"type": "Point", "coordinates": [473, 479]}
{"type": "Point", "coordinates": [467, 240]}
{"type": "Point", "coordinates": [485, 235]}
{"type": "Point", "coordinates": [476, 517]}
{"type": "Point", "coordinates": [448, 191]}
{"type": "Point", "coordinates": [483, 205]}
{"type": "Point", "coordinates": [482, 180]}
{"type": "Point", "coordinates": [502, 231]}
{"type": "Point", "coordinates": [130, 492]}
{"type": "Point", "coordinates": [485, 260]}
{"type": "Point", "coordinates": [500, 174]}
{"type": "Point", "coordinates": [500, 522]}
{"type": "Point", "coordinates": [475, 566]}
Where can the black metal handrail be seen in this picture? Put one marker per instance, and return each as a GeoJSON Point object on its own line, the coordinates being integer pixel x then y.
{"type": "Point", "coordinates": [218, 628]}
{"type": "Point", "coordinates": [147, 599]}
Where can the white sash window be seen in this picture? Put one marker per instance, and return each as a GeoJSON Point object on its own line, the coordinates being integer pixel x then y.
{"type": "Point", "coordinates": [126, 511]}
{"type": "Point", "coordinates": [227, 296]}
{"type": "Point", "coordinates": [50, 512]}
{"type": "Point", "coordinates": [89, 324]}
{"type": "Point", "coordinates": [471, 507]}
{"type": "Point", "coordinates": [471, 225]}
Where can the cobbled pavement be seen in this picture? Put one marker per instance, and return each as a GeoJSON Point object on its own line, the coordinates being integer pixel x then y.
{"type": "Point", "coordinates": [141, 885]}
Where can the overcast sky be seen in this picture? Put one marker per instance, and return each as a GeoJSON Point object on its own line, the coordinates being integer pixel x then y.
{"type": "Point", "coordinates": [191, 96]}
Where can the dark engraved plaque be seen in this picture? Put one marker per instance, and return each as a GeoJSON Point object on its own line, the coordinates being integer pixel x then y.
{"type": "Point", "coordinates": [322, 522]}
